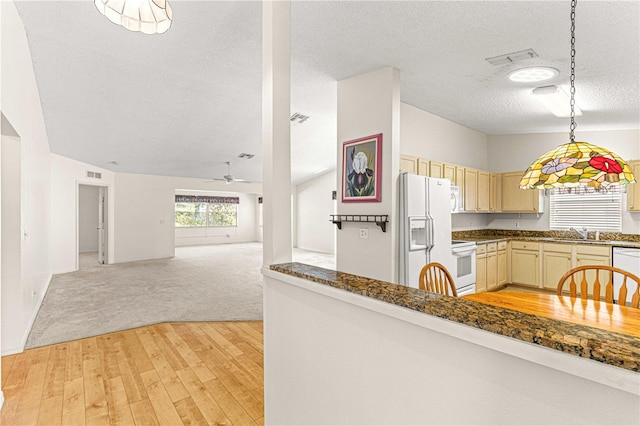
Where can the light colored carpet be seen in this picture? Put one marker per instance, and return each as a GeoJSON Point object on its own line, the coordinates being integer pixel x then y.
{"type": "Point", "coordinates": [202, 283]}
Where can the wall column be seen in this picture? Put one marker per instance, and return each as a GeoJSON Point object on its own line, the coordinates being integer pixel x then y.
{"type": "Point", "coordinates": [276, 132]}
{"type": "Point", "coordinates": [369, 104]}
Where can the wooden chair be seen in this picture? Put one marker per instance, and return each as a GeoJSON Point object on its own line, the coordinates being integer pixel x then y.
{"type": "Point", "coordinates": [580, 273]}
{"type": "Point", "coordinates": [435, 278]}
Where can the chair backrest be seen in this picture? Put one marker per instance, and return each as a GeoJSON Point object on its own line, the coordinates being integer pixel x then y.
{"type": "Point", "coordinates": [579, 275]}
{"type": "Point", "coordinates": [435, 278]}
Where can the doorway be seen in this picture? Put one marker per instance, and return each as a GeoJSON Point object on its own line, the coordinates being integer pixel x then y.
{"type": "Point", "coordinates": [92, 226]}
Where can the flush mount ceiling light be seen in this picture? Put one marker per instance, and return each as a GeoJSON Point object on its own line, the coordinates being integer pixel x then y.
{"type": "Point", "coordinates": [577, 166]}
{"type": "Point", "coordinates": [533, 74]}
{"type": "Point", "coordinates": [145, 16]}
{"type": "Point", "coordinates": [555, 100]}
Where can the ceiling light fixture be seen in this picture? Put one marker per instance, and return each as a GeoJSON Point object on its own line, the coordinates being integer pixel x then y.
{"type": "Point", "coordinates": [533, 74]}
{"type": "Point", "coordinates": [577, 166]}
{"type": "Point", "coordinates": [555, 100]}
{"type": "Point", "coordinates": [145, 16]}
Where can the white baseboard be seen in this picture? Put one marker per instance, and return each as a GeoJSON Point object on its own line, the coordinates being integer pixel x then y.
{"type": "Point", "coordinates": [20, 348]}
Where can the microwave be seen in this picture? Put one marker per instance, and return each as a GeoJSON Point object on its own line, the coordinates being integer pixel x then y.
{"type": "Point", "coordinates": [457, 204]}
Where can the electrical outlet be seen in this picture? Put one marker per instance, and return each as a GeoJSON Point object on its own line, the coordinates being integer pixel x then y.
{"type": "Point", "coordinates": [517, 225]}
{"type": "Point", "coordinates": [364, 233]}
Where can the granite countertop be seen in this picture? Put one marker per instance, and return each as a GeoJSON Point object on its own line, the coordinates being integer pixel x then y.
{"type": "Point", "coordinates": [611, 348]}
{"type": "Point", "coordinates": [566, 237]}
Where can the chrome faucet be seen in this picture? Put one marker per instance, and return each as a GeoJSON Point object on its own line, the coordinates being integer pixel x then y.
{"type": "Point", "coordinates": [582, 232]}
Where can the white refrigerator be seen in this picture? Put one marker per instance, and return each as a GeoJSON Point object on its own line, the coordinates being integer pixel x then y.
{"type": "Point", "coordinates": [425, 225]}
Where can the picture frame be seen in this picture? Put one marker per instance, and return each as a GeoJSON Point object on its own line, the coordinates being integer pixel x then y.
{"type": "Point", "coordinates": [362, 170]}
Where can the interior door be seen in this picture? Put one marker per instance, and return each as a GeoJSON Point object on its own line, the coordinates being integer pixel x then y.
{"type": "Point", "coordinates": [102, 240]}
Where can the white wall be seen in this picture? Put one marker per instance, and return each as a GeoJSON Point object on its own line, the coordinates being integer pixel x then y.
{"type": "Point", "coordinates": [66, 177]}
{"type": "Point", "coordinates": [367, 105]}
{"type": "Point", "coordinates": [246, 220]}
{"type": "Point", "coordinates": [21, 106]}
{"type": "Point", "coordinates": [11, 272]}
{"type": "Point", "coordinates": [144, 217]}
{"type": "Point", "coordinates": [335, 357]}
{"type": "Point", "coordinates": [88, 198]}
{"type": "Point", "coordinates": [509, 153]}
{"type": "Point", "coordinates": [314, 205]}
{"type": "Point", "coordinates": [425, 135]}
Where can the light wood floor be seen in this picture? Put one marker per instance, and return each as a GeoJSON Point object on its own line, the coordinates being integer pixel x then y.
{"type": "Point", "coordinates": [168, 374]}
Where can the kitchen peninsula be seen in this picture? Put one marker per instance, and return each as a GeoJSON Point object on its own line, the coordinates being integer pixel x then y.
{"type": "Point", "coordinates": [340, 348]}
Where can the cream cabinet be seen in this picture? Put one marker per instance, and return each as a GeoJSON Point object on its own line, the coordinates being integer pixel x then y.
{"type": "Point", "coordinates": [633, 190]}
{"type": "Point", "coordinates": [470, 189]}
{"type": "Point", "coordinates": [476, 190]}
{"type": "Point", "coordinates": [516, 200]}
{"type": "Point", "coordinates": [502, 263]}
{"type": "Point", "coordinates": [483, 190]}
{"type": "Point", "coordinates": [594, 255]}
{"type": "Point", "coordinates": [449, 172]}
{"type": "Point", "coordinates": [481, 268]}
{"type": "Point", "coordinates": [409, 164]}
{"type": "Point", "coordinates": [436, 169]}
{"type": "Point", "coordinates": [460, 181]}
{"type": "Point", "coordinates": [525, 263]}
{"type": "Point", "coordinates": [423, 167]}
{"type": "Point", "coordinates": [492, 266]}
{"type": "Point", "coordinates": [495, 190]}
{"type": "Point", "coordinates": [556, 260]}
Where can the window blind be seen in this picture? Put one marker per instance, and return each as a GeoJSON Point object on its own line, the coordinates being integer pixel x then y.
{"type": "Point", "coordinates": [206, 199]}
{"type": "Point", "coordinates": [595, 211]}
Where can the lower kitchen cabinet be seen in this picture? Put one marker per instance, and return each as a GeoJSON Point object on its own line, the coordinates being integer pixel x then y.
{"type": "Point", "coordinates": [502, 263]}
{"type": "Point", "coordinates": [491, 266]}
{"type": "Point", "coordinates": [556, 260]}
{"type": "Point", "coordinates": [481, 268]}
{"type": "Point", "coordinates": [594, 255]}
{"type": "Point", "coordinates": [525, 263]}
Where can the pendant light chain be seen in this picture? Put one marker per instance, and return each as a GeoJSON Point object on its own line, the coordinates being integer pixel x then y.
{"type": "Point", "coordinates": [573, 70]}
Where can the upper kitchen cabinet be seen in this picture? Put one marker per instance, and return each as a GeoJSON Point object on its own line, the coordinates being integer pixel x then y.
{"type": "Point", "coordinates": [409, 164]}
{"type": "Point", "coordinates": [516, 200]}
{"type": "Point", "coordinates": [476, 190]}
{"type": "Point", "coordinates": [633, 190]}
{"type": "Point", "coordinates": [436, 169]}
{"type": "Point", "coordinates": [423, 167]}
{"type": "Point", "coordinates": [449, 171]}
{"type": "Point", "coordinates": [495, 192]}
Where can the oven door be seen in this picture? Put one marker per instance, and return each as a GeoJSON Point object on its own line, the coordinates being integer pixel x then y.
{"type": "Point", "coordinates": [465, 271]}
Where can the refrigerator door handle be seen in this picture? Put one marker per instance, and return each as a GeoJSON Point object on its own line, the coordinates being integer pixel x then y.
{"type": "Point", "coordinates": [430, 233]}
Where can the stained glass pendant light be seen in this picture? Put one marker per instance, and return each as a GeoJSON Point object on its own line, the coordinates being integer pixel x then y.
{"type": "Point", "coordinates": [577, 166]}
{"type": "Point", "coordinates": [146, 16]}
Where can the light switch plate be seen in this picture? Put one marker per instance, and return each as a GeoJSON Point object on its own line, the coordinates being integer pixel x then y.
{"type": "Point", "coordinates": [364, 233]}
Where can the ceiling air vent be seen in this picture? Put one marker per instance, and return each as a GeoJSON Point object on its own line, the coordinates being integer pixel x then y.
{"type": "Point", "coordinates": [95, 175]}
{"type": "Point", "coordinates": [510, 58]}
{"type": "Point", "coordinates": [247, 156]}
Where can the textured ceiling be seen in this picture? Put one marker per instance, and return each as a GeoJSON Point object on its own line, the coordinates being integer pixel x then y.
{"type": "Point", "coordinates": [184, 102]}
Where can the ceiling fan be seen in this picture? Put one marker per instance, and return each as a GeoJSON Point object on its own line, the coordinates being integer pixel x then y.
{"type": "Point", "coordinates": [228, 178]}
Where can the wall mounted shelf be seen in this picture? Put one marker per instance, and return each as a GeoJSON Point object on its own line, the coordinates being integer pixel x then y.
{"type": "Point", "coordinates": [378, 219]}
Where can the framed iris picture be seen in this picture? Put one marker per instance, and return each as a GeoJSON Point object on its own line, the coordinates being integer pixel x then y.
{"type": "Point", "coordinates": [362, 169]}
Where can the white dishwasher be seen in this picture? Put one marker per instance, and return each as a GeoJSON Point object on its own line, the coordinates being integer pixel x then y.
{"type": "Point", "coordinates": [627, 258]}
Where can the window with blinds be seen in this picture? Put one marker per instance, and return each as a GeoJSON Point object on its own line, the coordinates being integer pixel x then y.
{"type": "Point", "coordinates": [595, 211]}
